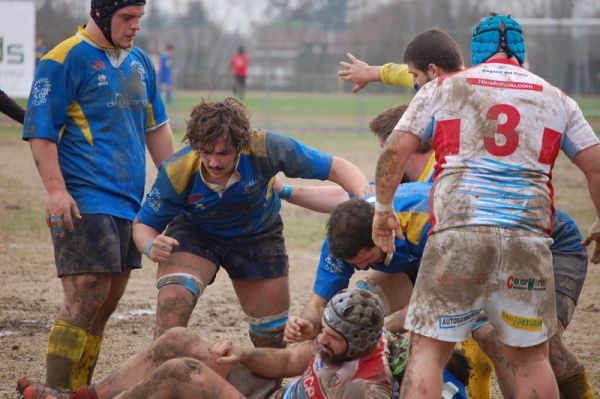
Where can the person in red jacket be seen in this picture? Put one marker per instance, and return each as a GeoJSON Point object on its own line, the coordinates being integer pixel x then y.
{"type": "Point", "coordinates": [238, 63]}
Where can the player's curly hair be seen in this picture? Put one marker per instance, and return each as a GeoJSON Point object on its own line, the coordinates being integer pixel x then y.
{"type": "Point", "coordinates": [228, 119]}
{"type": "Point", "coordinates": [434, 46]}
{"type": "Point", "coordinates": [349, 228]}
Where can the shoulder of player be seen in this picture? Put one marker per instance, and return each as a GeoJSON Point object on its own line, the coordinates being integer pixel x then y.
{"type": "Point", "coordinates": [181, 167]}
{"type": "Point", "coordinates": [64, 50]}
{"type": "Point", "coordinates": [262, 141]}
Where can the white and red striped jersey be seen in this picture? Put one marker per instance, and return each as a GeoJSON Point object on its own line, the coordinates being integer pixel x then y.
{"type": "Point", "coordinates": [496, 129]}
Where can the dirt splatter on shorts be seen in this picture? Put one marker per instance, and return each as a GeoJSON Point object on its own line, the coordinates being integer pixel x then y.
{"type": "Point", "coordinates": [504, 273]}
{"type": "Point", "coordinates": [256, 257]}
{"type": "Point", "coordinates": [99, 244]}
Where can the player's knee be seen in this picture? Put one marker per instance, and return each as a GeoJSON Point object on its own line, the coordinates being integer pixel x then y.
{"type": "Point", "coordinates": [178, 369]}
{"type": "Point", "coordinates": [268, 332]}
{"type": "Point", "coordinates": [185, 280]}
{"type": "Point", "coordinates": [174, 343]}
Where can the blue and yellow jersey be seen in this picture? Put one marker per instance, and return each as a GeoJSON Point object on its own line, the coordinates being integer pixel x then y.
{"type": "Point", "coordinates": [165, 68]}
{"type": "Point", "coordinates": [97, 108]}
{"type": "Point", "coordinates": [411, 202]}
{"type": "Point", "coordinates": [426, 175]}
{"type": "Point", "coordinates": [247, 207]}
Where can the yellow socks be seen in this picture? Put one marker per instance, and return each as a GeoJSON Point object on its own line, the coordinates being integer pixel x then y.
{"type": "Point", "coordinates": [480, 381]}
{"type": "Point", "coordinates": [84, 370]}
{"type": "Point", "coordinates": [65, 347]}
{"type": "Point", "coordinates": [575, 384]}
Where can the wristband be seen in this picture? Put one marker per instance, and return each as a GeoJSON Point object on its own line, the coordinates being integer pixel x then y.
{"type": "Point", "coordinates": [286, 192]}
{"type": "Point", "coordinates": [383, 207]}
{"type": "Point", "coordinates": [148, 248]}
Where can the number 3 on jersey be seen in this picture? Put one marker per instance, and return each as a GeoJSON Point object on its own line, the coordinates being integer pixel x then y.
{"type": "Point", "coordinates": [450, 131]}
{"type": "Point", "coordinates": [506, 129]}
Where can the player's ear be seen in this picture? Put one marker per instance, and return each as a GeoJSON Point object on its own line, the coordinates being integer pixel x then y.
{"type": "Point", "coordinates": [434, 70]}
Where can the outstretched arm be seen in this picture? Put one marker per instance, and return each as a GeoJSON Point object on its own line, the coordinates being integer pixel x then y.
{"type": "Point", "coordinates": [11, 108]}
{"type": "Point", "coordinates": [347, 175]}
{"type": "Point", "coordinates": [587, 161]}
{"type": "Point", "coordinates": [315, 198]}
{"type": "Point", "coordinates": [266, 362]}
{"type": "Point", "coordinates": [361, 74]}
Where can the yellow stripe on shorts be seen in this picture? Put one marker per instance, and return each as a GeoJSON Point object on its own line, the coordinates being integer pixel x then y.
{"type": "Point", "coordinates": [522, 323]}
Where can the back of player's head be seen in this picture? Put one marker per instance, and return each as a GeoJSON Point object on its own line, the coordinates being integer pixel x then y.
{"type": "Point", "coordinates": [383, 124]}
{"type": "Point", "coordinates": [357, 315]}
{"type": "Point", "coordinates": [494, 34]}
{"type": "Point", "coordinates": [209, 121]}
{"type": "Point", "coordinates": [102, 12]}
{"type": "Point", "coordinates": [434, 46]}
{"type": "Point", "coordinates": [349, 228]}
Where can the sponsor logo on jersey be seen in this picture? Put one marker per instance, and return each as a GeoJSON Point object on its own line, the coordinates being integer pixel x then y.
{"type": "Point", "coordinates": [40, 91]}
{"type": "Point", "coordinates": [195, 200]}
{"type": "Point", "coordinates": [154, 200]}
{"type": "Point", "coordinates": [333, 265]}
{"type": "Point", "coordinates": [138, 69]}
{"type": "Point", "coordinates": [98, 65]}
{"type": "Point", "coordinates": [526, 283]}
{"type": "Point", "coordinates": [251, 187]}
{"type": "Point", "coordinates": [451, 321]}
{"type": "Point", "coordinates": [102, 81]}
{"type": "Point", "coordinates": [522, 323]}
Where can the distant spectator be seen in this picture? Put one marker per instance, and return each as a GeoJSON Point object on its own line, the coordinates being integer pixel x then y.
{"type": "Point", "coordinates": [239, 67]}
{"type": "Point", "coordinates": [40, 50]}
{"type": "Point", "coordinates": [165, 73]}
{"type": "Point", "coordinates": [9, 107]}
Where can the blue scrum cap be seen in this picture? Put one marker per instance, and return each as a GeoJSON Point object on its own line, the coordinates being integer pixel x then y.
{"type": "Point", "coordinates": [497, 33]}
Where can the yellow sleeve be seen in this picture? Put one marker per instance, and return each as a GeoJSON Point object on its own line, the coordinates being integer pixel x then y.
{"type": "Point", "coordinates": [396, 75]}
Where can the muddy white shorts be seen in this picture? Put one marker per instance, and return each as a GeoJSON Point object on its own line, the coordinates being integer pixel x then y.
{"type": "Point", "coordinates": [505, 274]}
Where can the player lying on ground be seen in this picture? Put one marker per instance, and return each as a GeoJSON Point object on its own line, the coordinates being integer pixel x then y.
{"type": "Point", "coordinates": [351, 358]}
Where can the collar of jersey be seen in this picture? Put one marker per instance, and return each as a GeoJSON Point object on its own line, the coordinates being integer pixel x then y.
{"type": "Point", "coordinates": [108, 50]}
{"type": "Point", "coordinates": [508, 61]}
{"type": "Point", "coordinates": [219, 188]}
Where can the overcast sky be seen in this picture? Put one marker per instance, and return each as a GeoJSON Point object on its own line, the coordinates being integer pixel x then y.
{"type": "Point", "coordinates": [234, 15]}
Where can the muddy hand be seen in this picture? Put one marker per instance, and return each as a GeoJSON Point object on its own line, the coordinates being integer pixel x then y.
{"type": "Point", "coordinates": [161, 248]}
{"type": "Point", "coordinates": [385, 226]}
{"type": "Point", "coordinates": [225, 352]}
{"type": "Point", "coordinates": [297, 330]}
{"type": "Point", "coordinates": [60, 211]}
{"type": "Point", "coordinates": [594, 236]}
